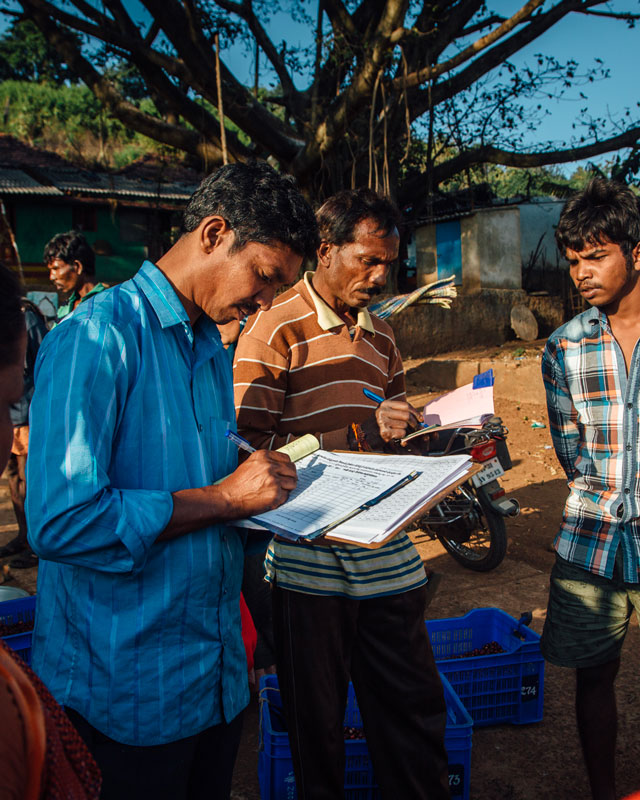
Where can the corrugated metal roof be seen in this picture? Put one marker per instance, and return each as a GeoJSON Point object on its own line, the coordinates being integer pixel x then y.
{"type": "Point", "coordinates": [106, 185]}
{"type": "Point", "coordinates": [16, 181]}
{"type": "Point", "coordinates": [26, 170]}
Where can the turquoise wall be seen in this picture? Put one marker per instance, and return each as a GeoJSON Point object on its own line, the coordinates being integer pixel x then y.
{"type": "Point", "coordinates": [36, 221]}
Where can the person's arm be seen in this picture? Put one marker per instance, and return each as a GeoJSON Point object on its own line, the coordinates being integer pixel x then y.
{"type": "Point", "coordinates": [75, 515]}
{"type": "Point", "coordinates": [260, 483]}
{"type": "Point", "coordinates": [395, 417]}
{"type": "Point", "coordinates": [563, 417]}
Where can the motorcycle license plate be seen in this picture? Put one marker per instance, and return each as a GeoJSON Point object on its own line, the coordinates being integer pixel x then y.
{"type": "Point", "coordinates": [491, 470]}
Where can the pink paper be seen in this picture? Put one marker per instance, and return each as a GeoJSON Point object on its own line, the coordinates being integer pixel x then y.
{"type": "Point", "coordinates": [462, 404]}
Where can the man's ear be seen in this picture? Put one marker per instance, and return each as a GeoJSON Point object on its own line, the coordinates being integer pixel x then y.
{"type": "Point", "coordinates": [78, 266]}
{"type": "Point", "coordinates": [324, 254]}
{"type": "Point", "coordinates": [635, 255]}
{"type": "Point", "coordinates": [214, 231]}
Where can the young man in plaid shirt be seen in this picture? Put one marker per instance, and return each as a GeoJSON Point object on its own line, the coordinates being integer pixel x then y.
{"type": "Point", "coordinates": [591, 370]}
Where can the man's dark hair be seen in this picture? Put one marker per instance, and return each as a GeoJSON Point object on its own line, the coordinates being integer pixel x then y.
{"type": "Point", "coordinates": [605, 211]}
{"type": "Point", "coordinates": [69, 247]}
{"type": "Point", "coordinates": [11, 316]}
{"type": "Point", "coordinates": [259, 205]}
{"type": "Point", "coordinates": [339, 216]}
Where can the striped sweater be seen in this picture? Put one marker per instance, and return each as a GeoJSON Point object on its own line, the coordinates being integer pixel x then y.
{"type": "Point", "coordinates": [298, 369]}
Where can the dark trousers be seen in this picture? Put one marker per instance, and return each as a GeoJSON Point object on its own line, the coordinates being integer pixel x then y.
{"type": "Point", "coordinates": [199, 767]}
{"type": "Point", "coordinates": [16, 475]}
{"type": "Point", "coordinates": [383, 646]}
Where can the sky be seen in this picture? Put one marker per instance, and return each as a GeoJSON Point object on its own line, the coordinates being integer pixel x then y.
{"type": "Point", "coordinates": [578, 37]}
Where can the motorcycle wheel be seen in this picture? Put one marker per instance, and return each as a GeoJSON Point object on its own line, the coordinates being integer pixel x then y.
{"type": "Point", "coordinates": [483, 544]}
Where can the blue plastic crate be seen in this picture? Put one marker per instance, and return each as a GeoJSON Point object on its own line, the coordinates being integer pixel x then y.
{"type": "Point", "coordinates": [275, 765]}
{"type": "Point", "coordinates": [501, 688]}
{"type": "Point", "coordinates": [22, 609]}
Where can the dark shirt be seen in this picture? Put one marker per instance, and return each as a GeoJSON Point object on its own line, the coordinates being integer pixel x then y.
{"type": "Point", "coordinates": [36, 329]}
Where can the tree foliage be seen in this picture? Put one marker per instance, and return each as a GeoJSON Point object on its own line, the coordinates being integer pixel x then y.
{"type": "Point", "coordinates": [378, 75]}
{"type": "Point", "coordinates": [25, 55]}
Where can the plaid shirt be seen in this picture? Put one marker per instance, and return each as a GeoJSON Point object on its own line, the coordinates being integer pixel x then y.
{"type": "Point", "coordinates": [594, 413]}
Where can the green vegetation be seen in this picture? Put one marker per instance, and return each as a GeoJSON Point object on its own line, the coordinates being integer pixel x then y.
{"type": "Point", "coordinates": [69, 121]}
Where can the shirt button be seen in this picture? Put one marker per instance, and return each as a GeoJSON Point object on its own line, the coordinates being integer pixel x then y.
{"type": "Point", "coordinates": [629, 405]}
{"type": "Point", "coordinates": [627, 491]}
{"type": "Point", "coordinates": [628, 447]}
{"type": "Point", "coordinates": [200, 428]}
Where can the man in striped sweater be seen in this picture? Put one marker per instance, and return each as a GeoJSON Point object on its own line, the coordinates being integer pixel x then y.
{"type": "Point", "coordinates": [341, 611]}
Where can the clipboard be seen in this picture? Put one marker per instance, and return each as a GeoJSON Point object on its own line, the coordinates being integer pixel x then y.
{"type": "Point", "coordinates": [405, 523]}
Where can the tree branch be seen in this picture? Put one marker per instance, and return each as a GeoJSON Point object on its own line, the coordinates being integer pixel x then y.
{"type": "Point", "coordinates": [628, 17]}
{"type": "Point", "coordinates": [266, 130]}
{"type": "Point", "coordinates": [433, 72]}
{"type": "Point", "coordinates": [245, 11]}
{"type": "Point", "coordinates": [340, 19]}
{"type": "Point", "coordinates": [492, 58]}
{"type": "Point", "coordinates": [482, 24]}
{"type": "Point", "coordinates": [493, 155]}
{"type": "Point", "coordinates": [357, 95]}
{"type": "Point", "coordinates": [175, 136]}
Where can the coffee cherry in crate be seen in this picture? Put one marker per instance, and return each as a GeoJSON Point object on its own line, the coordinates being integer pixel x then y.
{"type": "Point", "coordinates": [488, 649]}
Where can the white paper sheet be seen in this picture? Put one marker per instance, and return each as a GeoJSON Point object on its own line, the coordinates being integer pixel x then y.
{"type": "Point", "coordinates": [375, 523]}
{"type": "Point", "coordinates": [330, 485]}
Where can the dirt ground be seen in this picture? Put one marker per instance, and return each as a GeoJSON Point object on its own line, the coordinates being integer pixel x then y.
{"type": "Point", "coordinates": [527, 762]}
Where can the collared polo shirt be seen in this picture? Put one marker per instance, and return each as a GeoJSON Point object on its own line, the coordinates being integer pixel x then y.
{"type": "Point", "coordinates": [65, 309]}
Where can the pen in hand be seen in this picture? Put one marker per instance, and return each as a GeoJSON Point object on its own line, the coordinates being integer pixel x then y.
{"type": "Point", "coordinates": [240, 441]}
{"type": "Point", "coordinates": [372, 395]}
{"type": "Point", "coordinates": [413, 422]}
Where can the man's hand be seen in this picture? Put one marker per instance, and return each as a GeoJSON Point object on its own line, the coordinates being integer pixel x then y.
{"type": "Point", "coordinates": [262, 482]}
{"type": "Point", "coordinates": [395, 418]}
{"type": "Point", "coordinates": [259, 484]}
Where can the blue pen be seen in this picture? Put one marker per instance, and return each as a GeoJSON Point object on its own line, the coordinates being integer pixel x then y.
{"type": "Point", "coordinates": [240, 441]}
{"type": "Point", "coordinates": [372, 395]}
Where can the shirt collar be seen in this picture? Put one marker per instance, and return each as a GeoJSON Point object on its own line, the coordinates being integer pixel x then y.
{"type": "Point", "coordinates": [204, 336]}
{"type": "Point", "coordinates": [327, 317]}
{"type": "Point", "coordinates": [597, 317]}
{"type": "Point", "coordinates": [161, 295]}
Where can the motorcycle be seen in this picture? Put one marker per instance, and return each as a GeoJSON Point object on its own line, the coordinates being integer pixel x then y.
{"type": "Point", "coordinates": [470, 522]}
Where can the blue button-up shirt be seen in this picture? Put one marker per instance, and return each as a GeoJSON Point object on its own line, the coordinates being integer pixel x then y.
{"type": "Point", "coordinates": [142, 638]}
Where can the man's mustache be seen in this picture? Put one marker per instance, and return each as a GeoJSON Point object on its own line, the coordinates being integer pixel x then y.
{"type": "Point", "coordinates": [373, 291]}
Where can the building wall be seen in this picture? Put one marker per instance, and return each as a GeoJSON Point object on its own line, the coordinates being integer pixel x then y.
{"type": "Point", "coordinates": [472, 320]}
{"type": "Point", "coordinates": [491, 250]}
{"type": "Point", "coordinates": [37, 221]}
{"type": "Point", "coordinates": [425, 248]}
{"type": "Point", "coordinates": [538, 220]}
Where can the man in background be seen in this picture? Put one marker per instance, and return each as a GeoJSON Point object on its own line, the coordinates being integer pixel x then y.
{"type": "Point", "coordinates": [342, 611]}
{"type": "Point", "coordinates": [24, 557]}
{"type": "Point", "coordinates": [72, 269]}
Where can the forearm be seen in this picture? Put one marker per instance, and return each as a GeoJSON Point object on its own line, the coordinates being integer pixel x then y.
{"type": "Point", "coordinates": [261, 483]}
{"type": "Point", "coordinates": [194, 509]}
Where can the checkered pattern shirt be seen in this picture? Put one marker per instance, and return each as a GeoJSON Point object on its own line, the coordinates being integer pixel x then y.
{"type": "Point", "coordinates": [593, 410]}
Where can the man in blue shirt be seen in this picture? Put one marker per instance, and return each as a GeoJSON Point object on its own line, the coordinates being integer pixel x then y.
{"type": "Point", "coordinates": [138, 619]}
